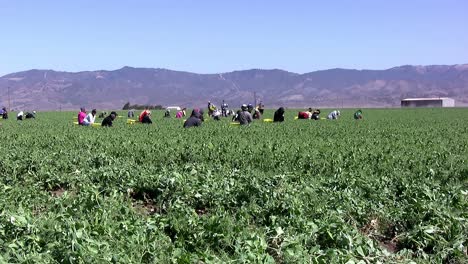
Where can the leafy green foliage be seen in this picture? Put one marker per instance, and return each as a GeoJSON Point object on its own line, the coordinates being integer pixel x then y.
{"type": "Point", "coordinates": [391, 188]}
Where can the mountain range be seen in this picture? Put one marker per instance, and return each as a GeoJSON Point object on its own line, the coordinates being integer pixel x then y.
{"type": "Point", "coordinates": [54, 90]}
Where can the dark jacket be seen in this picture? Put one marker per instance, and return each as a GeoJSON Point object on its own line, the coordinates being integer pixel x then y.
{"type": "Point", "coordinates": [194, 120]}
{"type": "Point", "coordinates": [5, 113]}
{"type": "Point", "coordinates": [279, 115]}
{"type": "Point", "coordinates": [107, 121]}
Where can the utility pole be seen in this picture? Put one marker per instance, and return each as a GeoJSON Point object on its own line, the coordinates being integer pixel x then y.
{"type": "Point", "coordinates": [255, 99]}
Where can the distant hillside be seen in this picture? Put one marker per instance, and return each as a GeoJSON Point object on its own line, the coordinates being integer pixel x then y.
{"type": "Point", "coordinates": [51, 90]}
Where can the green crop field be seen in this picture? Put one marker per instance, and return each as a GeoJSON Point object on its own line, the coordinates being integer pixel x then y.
{"type": "Point", "coordinates": [391, 188]}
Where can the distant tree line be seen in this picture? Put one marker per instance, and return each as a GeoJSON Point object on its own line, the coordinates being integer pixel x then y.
{"type": "Point", "coordinates": [129, 106]}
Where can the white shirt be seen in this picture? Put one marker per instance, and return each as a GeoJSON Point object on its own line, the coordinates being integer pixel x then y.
{"type": "Point", "coordinates": [89, 119]}
{"type": "Point", "coordinates": [20, 114]}
{"type": "Point", "coordinates": [333, 115]}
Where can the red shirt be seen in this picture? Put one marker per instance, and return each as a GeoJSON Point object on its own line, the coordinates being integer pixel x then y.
{"type": "Point", "coordinates": [142, 115]}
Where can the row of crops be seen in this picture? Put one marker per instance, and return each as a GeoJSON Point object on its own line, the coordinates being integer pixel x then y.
{"type": "Point", "coordinates": [392, 188]}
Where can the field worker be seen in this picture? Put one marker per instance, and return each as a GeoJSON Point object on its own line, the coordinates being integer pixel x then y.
{"type": "Point", "coordinates": [209, 108]}
{"type": "Point", "coordinates": [30, 115]}
{"type": "Point", "coordinates": [305, 115]}
{"type": "Point", "coordinates": [167, 114]}
{"type": "Point", "coordinates": [316, 114]}
{"type": "Point", "coordinates": [4, 113]}
{"type": "Point", "coordinates": [194, 119]}
{"type": "Point", "coordinates": [90, 118]}
{"type": "Point", "coordinates": [130, 114]}
{"type": "Point", "coordinates": [20, 115]}
{"type": "Point", "coordinates": [181, 113]}
{"type": "Point", "coordinates": [200, 114]}
{"type": "Point", "coordinates": [333, 115]}
{"type": "Point", "coordinates": [212, 109]}
{"type": "Point", "coordinates": [143, 118]}
{"type": "Point", "coordinates": [81, 115]}
{"type": "Point", "coordinates": [279, 115]}
{"type": "Point", "coordinates": [235, 117]}
{"type": "Point", "coordinates": [245, 118]}
{"type": "Point", "coordinates": [261, 107]}
{"type": "Point", "coordinates": [250, 107]}
{"type": "Point", "coordinates": [108, 120]}
{"type": "Point", "coordinates": [257, 114]}
{"type": "Point", "coordinates": [224, 109]}
{"type": "Point", "coordinates": [217, 115]}
{"type": "Point", "coordinates": [358, 114]}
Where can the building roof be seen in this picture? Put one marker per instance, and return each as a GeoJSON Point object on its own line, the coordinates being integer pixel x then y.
{"type": "Point", "coordinates": [426, 99]}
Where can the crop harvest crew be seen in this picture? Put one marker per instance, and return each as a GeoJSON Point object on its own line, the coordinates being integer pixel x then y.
{"type": "Point", "coordinates": [358, 114]}
{"type": "Point", "coordinates": [81, 115]}
{"type": "Point", "coordinates": [305, 115]}
{"type": "Point", "coordinates": [316, 114]}
{"type": "Point", "coordinates": [244, 116]}
{"type": "Point", "coordinates": [279, 115]}
{"type": "Point", "coordinates": [4, 113]}
{"type": "Point", "coordinates": [108, 120]}
{"type": "Point", "coordinates": [145, 117]}
{"type": "Point", "coordinates": [211, 108]}
{"type": "Point", "coordinates": [20, 115]}
{"type": "Point", "coordinates": [334, 114]}
{"type": "Point", "coordinates": [90, 118]}
{"type": "Point", "coordinates": [194, 119]}
{"type": "Point", "coordinates": [257, 114]}
{"type": "Point", "coordinates": [181, 113]}
{"type": "Point", "coordinates": [30, 115]}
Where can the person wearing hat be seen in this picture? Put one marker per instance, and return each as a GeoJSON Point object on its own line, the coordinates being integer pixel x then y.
{"type": "Point", "coordinates": [167, 114]}
{"type": "Point", "coordinates": [257, 114]}
{"type": "Point", "coordinates": [217, 115]}
{"type": "Point", "coordinates": [333, 115]}
{"type": "Point", "coordinates": [20, 115]}
{"type": "Point", "coordinates": [358, 114]}
{"type": "Point", "coordinates": [316, 114]}
{"type": "Point", "coordinates": [145, 117]}
{"type": "Point", "coordinates": [250, 108]}
{"type": "Point", "coordinates": [4, 113]}
{"type": "Point", "coordinates": [245, 117]}
{"type": "Point", "coordinates": [279, 115]}
{"type": "Point", "coordinates": [81, 115]}
{"type": "Point", "coordinates": [224, 109]}
{"type": "Point", "coordinates": [194, 119]}
{"type": "Point", "coordinates": [181, 113]}
{"type": "Point", "coordinates": [90, 118]}
{"type": "Point", "coordinates": [305, 114]}
{"type": "Point", "coordinates": [210, 108]}
{"type": "Point", "coordinates": [30, 115]}
{"type": "Point", "coordinates": [108, 120]}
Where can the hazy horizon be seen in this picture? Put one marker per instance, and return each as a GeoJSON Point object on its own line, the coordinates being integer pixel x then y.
{"type": "Point", "coordinates": [300, 73]}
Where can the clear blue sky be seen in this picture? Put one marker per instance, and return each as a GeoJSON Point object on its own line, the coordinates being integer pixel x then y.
{"type": "Point", "coordinates": [219, 36]}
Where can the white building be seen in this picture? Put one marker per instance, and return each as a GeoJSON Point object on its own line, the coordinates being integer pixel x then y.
{"type": "Point", "coordinates": [428, 102]}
